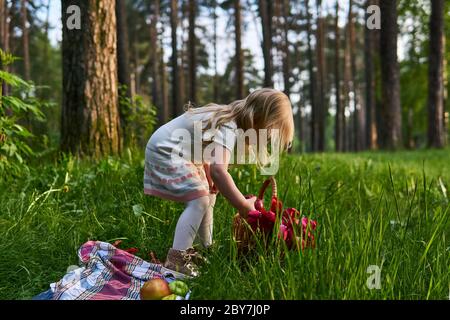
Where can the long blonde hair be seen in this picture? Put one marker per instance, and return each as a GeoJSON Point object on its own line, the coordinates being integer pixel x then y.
{"type": "Point", "coordinates": [262, 109]}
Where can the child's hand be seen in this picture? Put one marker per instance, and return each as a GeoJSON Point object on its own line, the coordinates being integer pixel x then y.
{"type": "Point", "coordinates": [249, 205]}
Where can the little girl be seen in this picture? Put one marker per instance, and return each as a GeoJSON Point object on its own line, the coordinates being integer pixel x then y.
{"type": "Point", "coordinates": [195, 182]}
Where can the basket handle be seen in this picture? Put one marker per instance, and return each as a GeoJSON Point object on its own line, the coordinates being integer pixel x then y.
{"type": "Point", "coordinates": [271, 181]}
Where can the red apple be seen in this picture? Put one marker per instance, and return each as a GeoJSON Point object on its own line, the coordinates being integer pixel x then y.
{"type": "Point", "coordinates": [155, 289]}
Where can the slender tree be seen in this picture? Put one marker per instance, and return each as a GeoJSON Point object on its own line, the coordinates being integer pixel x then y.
{"type": "Point", "coordinates": [192, 44]}
{"type": "Point", "coordinates": [340, 111]}
{"type": "Point", "coordinates": [286, 54]}
{"type": "Point", "coordinates": [25, 39]}
{"type": "Point", "coordinates": [165, 111]}
{"type": "Point", "coordinates": [312, 80]}
{"type": "Point", "coordinates": [123, 60]}
{"type": "Point", "coordinates": [216, 72]}
{"type": "Point", "coordinates": [90, 122]}
{"type": "Point", "coordinates": [176, 101]}
{"type": "Point", "coordinates": [391, 108]}
{"type": "Point", "coordinates": [157, 94]}
{"type": "Point", "coordinates": [436, 131]}
{"type": "Point", "coordinates": [266, 14]}
{"type": "Point", "coordinates": [321, 80]}
{"type": "Point", "coordinates": [369, 48]}
{"type": "Point", "coordinates": [239, 54]}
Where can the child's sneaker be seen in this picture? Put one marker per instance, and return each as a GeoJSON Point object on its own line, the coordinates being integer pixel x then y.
{"type": "Point", "coordinates": [181, 261]}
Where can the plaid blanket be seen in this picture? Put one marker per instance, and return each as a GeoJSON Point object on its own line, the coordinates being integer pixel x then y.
{"type": "Point", "coordinates": [108, 273]}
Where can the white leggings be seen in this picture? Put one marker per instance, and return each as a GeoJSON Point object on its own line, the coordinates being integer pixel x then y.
{"type": "Point", "coordinates": [196, 219]}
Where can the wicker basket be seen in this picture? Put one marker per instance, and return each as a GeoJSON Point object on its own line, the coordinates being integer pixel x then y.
{"type": "Point", "coordinates": [245, 236]}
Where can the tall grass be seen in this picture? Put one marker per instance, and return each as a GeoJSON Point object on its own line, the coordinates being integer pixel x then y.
{"type": "Point", "coordinates": [372, 209]}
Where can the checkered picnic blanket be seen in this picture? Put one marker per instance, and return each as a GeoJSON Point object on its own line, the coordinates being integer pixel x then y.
{"type": "Point", "coordinates": [108, 273]}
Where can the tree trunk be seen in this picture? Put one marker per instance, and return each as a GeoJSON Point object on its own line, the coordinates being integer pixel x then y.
{"type": "Point", "coordinates": [4, 42]}
{"type": "Point", "coordinates": [192, 52]}
{"type": "Point", "coordinates": [369, 48]}
{"type": "Point", "coordinates": [239, 53]}
{"type": "Point", "coordinates": [123, 61]}
{"type": "Point", "coordinates": [25, 39]}
{"type": "Point", "coordinates": [266, 14]}
{"type": "Point", "coordinates": [391, 107]}
{"type": "Point", "coordinates": [216, 72]}
{"type": "Point", "coordinates": [340, 112]}
{"type": "Point", "coordinates": [157, 93]}
{"type": "Point", "coordinates": [165, 110]}
{"type": "Point", "coordinates": [321, 80]}
{"type": "Point", "coordinates": [286, 53]}
{"type": "Point", "coordinates": [436, 132]}
{"type": "Point", "coordinates": [177, 108]}
{"type": "Point", "coordinates": [312, 81]}
{"type": "Point", "coordinates": [353, 87]}
{"type": "Point", "coordinates": [90, 120]}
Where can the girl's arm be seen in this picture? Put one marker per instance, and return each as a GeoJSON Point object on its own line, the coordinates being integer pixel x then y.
{"type": "Point", "coordinates": [225, 184]}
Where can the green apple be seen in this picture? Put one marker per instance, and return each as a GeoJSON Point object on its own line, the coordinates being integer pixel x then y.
{"type": "Point", "coordinates": [179, 288]}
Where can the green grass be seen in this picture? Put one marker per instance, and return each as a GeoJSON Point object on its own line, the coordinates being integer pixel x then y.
{"type": "Point", "coordinates": [390, 210]}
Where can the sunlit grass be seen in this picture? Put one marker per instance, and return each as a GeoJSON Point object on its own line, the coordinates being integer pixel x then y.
{"type": "Point", "coordinates": [388, 210]}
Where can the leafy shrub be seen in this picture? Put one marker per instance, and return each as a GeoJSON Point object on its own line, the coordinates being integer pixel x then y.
{"type": "Point", "coordinates": [139, 118]}
{"type": "Point", "coordinates": [15, 109]}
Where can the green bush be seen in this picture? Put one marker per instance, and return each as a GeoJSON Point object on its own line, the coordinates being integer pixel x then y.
{"type": "Point", "coordinates": [15, 109]}
{"type": "Point", "coordinates": [139, 118]}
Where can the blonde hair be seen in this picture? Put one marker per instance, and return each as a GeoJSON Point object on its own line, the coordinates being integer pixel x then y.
{"type": "Point", "coordinates": [263, 109]}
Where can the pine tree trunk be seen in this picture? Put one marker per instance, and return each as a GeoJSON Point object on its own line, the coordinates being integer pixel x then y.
{"type": "Point", "coordinates": [340, 116]}
{"type": "Point", "coordinates": [369, 48]}
{"type": "Point", "coordinates": [176, 102]}
{"type": "Point", "coordinates": [312, 81]}
{"type": "Point", "coordinates": [192, 44]}
{"type": "Point", "coordinates": [157, 93]}
{"type": "Point", "coordinates": [165, 110]}
{"type": "Point", "coordinates": [286, 54]}
{"type": "Point", "coordinates": [391, 108]}
{"type": "Point", "coordinates": [123, 61]}
{"type": "Point", "coordinates": [266, 14]}
{"type": "Point", "coordinates": [25, 39]}
{"type": "Point", "coordinates": [4, 38]}
{"type": "Point", "coordinates": [90, 120]}
{"type": "Point", "coordinates": [321, 80]}
{"type": "Point", "coordinates": [239, 53]}
{"type": "Point", "coordinates": [216, 72]}
{"type": "Point", "coordinates": [436, 132]}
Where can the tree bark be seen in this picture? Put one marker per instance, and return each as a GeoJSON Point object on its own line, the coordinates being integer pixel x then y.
{"type": "Point", "coordinates": [25, 39]}
{"type": "Point", "coordinates": [266, 14]}
{"type": "Point", "coordinates": [123, 61]}
{"type": "Point", "coordinates": [216, 72]}
{"type": "Point", "coordinates": [391, 108]}
{"type": "Point", "coordinates": [90, 120]}
{"type": "Point", "coordinates": [369, 48]}
{"type": "Point", "coordinates": [156, 89]}
{"type": "Point", "coordinates": [239, 54]}
{"type": "Point", "coordinates": [312, 81]}
{"type": "Point", "coordinates": [321, 80]}
{"type": "Point", "coordinates": [165, 111]}
{"type": "Point", "coordinates": [352, 75]}
{"type": "Point", "coordinates": [436, 132]}
{"type": "Point", "coordinates": [286, 54]}
{"type": "Point", "coordinates": [176, 104]}
{"type": "Point", "coordinates": [340, 111]}
{"type": "Point", "coordinates": [192, 52]}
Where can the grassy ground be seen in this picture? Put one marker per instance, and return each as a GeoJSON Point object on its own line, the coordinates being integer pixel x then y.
{"type": "Point", "coordinates": [390, 210]}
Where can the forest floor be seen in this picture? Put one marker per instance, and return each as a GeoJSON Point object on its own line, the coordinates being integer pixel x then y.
{"type": "Point", "coordinates": [373, 209]}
